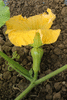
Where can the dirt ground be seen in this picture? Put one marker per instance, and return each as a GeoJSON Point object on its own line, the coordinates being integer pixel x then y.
{"type": "Point", "coordinates": [55, 55]}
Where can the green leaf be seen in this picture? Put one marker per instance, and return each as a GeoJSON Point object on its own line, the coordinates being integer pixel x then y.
{"type": "Point", "coordinates": [17, 66]}
{"type": "Point", "coordinates": [4, 13]}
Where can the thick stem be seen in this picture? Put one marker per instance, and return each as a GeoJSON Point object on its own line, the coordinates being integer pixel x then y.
{"type": "Point", "coordinates": [35, 75]}
{"type": "Point", "coordinates": [28, 89]}
{"type": "Point", "coordinates": [51, 75]}
{"type": "Point", "coordinates": [34, 83]}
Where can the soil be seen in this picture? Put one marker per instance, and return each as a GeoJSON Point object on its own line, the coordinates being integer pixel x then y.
{"type": "Point", "coordinates": [55, 55]}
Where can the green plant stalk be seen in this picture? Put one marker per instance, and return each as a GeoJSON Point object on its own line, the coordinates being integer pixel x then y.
{"type": "Point", "coordinates": [25, 92]}
{"type": "Point", "coordinates": [51, 74]}
{"type": "Point", "coordinates": [34, 83]}
{"type": "Point", "coordinates": [17, 66]}
{"type": "Point", "coordinates": [35, 75]}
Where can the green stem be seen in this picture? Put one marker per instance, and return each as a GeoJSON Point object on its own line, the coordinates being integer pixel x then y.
{"type": "Point", "coordinates": [34, 83]}
{"type": "Point", "coordinates": [17, 66]}
{"type": "Point", "coordinates": [51, 75]}
{"type": "Point", "coordinates": [26, 91]}
{"type": "Point", "coordinates": [35, 75]}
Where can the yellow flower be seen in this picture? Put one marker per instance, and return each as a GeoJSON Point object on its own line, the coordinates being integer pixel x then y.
{"type": "Point", "coordinates": [22, 30]}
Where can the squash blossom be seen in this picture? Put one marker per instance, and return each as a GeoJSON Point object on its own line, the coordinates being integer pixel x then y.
{"type": "Point", "coordinates": [22, 30]}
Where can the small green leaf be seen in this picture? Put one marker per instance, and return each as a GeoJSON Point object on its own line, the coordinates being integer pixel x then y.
{"type": "Point", "coordinates": [15, 55]}
{"type": "Point", "coordinates": [4, 13]}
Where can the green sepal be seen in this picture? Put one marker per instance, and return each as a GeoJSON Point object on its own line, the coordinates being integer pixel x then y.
{"type": "Point", "coordinates": [31, 72]}
{"type": "Point", "coordinates": [37, 54]}
{"type": "Point", "coordinates": [4, 13]}
{"type": "Point", "coordinates": [37, 41]}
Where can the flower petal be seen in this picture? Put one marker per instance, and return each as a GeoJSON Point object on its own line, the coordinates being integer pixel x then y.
{"type": "Point", "coordinates": [22, 30]}
{"type": "Point", "coordinates": [19, 38]}
{"type": "Point", "coordinates": [16, 23]}
{"type": "Point", "coordinates": [41, 21]}
{"type": "Point", "coordinates": [49, 36]}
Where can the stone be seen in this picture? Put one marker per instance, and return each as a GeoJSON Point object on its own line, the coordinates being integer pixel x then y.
{"type": "Point", "coordinates": [57, 1]}
{"type": "Point", "coordinates": [7, 75]}
{"type": "Point", "coordinates": [57, 96]}
{"type": "Point", "coordinates": [49, 89]}
{"type": "Point", "coordinates": [48, 97]}
{"type": "Point", "coordinates": [65, 19]}
{"type": "Point", "coordinates": [57, 86]}
{"type": "Point", "coordinates": [64, 11]}
{"type": "Point", "coordinates": [57, 51]}
{"type": "Point", "coordinates": [61, 46]}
